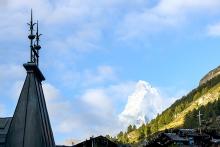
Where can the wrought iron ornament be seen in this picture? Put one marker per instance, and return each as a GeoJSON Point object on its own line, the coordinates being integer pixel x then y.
{"type": "Point", "coordinates": [34, 44]}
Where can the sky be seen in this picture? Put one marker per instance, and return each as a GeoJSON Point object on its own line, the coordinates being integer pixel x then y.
{"type": "Point", "coordinates": [104, 60]}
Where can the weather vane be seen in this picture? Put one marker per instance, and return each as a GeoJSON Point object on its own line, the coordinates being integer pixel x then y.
{"type": "Point", "coordinates": [34, 49]}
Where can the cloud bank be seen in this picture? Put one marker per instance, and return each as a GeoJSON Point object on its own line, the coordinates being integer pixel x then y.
{"type": "Point", "coordinates": [103, 111]}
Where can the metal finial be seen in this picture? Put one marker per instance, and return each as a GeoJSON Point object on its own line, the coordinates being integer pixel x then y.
{"type": "Point", "coordinates": [31, 16]}
{"type": "Point", "coordinates": [37, 47]}
{"type": "Point", "coordinates": [31, 24]}
{"type": "Point", "coordinates": [31, 36]}
{"type": "Point", "coordinates": [34, 49]}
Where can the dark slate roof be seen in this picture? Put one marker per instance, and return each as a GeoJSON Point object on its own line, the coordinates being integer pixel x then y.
{"type": "Point", "coordinates": [4, 126]}
{"type": "Point", "coordinates": [217, 141]}
{"type": "Point", "coordinates": [175, 137]}
{"type": "Point", "coordinates": [187, 131]}
{"type": "Point", "coordinates": [99, 141]}
{"type": "Point", "coordinates": [30, 125]}
{"type": "Point", "coordinates": [62, 146]}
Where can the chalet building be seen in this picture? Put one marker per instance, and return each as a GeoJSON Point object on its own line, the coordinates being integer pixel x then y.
{"type": "Point", "coordinates": [4, 126]}
{"type": "Point", "coordinates": [184, 137]}
{"type": "Point", "coordinates": [99, 141]}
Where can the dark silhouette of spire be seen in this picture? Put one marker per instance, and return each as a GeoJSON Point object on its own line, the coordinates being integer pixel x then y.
{"type": "Point", "coordinates": [30, 125]}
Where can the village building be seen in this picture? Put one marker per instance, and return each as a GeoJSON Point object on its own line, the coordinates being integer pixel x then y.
{"type": "Point", "coordinates": [184, 137]}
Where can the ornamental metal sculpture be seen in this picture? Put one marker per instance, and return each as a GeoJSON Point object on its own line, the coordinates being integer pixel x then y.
{"type": "Point", "coordinates": [34, 49]}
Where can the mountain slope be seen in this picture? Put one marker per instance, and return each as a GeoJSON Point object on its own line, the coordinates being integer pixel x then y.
{"type": "Point", "coordinates": [209, 97]}
{"type": "Point", "coordinates": [176, 115]}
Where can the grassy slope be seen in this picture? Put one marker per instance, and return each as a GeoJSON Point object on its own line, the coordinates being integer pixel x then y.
{"type": "Point", "coordinates": [210, 96]}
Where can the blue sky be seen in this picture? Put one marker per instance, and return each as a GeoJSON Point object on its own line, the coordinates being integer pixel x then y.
{"type": "Point", "coordinates": [95, 52]}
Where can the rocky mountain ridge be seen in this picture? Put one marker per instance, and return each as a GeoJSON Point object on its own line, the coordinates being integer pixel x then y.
{"type": "Point", "coordinates": [210, 75]}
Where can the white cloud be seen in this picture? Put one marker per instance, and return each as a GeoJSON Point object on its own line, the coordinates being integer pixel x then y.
{"type": "Point", "coordinates": [139, 24]}
{"type": "Point", "coordinates": [101, 74]}
{"type": "Point", "coordinates": [106, 110]}
{"type": "Point", "coordinates": [3, 3]}
{"type": "Point", "coordinates": [82, 36]}
{"type": "Point", "coordinates": [93, 112]}
{"type": "Point", "coordinates": [87, 21]}
{"type": "Point", "coordinates": [2, 110]}
{"type": "Point", "coordinates": [68, 125]}
{"type": "Point", "coordinates": [50, 92]}
{"type": "Point", "coordinates": [183, 7]}
{"type": "Point", "coordinates": [55, 101]}
{"type": "Point", "coordinates": [214, 30]}
{"type": "Point", "coordinates": [70, 142]}
{"type": "Point", "coordinates": [11, 77]}
{"type": "Point", "coordinates": [71, 78]}
{"type": "Point", "coordinates": [165, 15]}
{"type": "Point", "coordinates": [16, 89]}
{"type": "Point", "coordinates": [96, 98]}
{"type": "Point", "coordinates": [11, 72]}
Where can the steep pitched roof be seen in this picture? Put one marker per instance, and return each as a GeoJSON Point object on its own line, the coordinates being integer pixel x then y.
{"type": "Point", "coordinates": [4, 126]}
{"type": "Point", "coordinates": [30, 125]}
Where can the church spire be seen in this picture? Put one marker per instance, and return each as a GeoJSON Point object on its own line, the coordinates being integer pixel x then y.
{"type": "Point", "coordinates": [30, 125]}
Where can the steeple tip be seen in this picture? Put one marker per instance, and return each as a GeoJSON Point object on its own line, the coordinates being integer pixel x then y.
{"type": "Point", "coordinates": [32, 65]}
{"type": "Point", "coordinates": [34, 41]}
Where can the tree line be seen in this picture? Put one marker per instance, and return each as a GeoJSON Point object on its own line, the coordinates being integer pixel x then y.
{"type": "Point", "coordinates": [211, 110]}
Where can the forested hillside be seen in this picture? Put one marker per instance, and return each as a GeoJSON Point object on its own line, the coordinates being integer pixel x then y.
{"type": "Point", "coordinates": [181, 114]}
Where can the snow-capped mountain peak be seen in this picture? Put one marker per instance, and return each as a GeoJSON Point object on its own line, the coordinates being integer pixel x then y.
{"type": "Point", "coordinates": [143, 104]}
